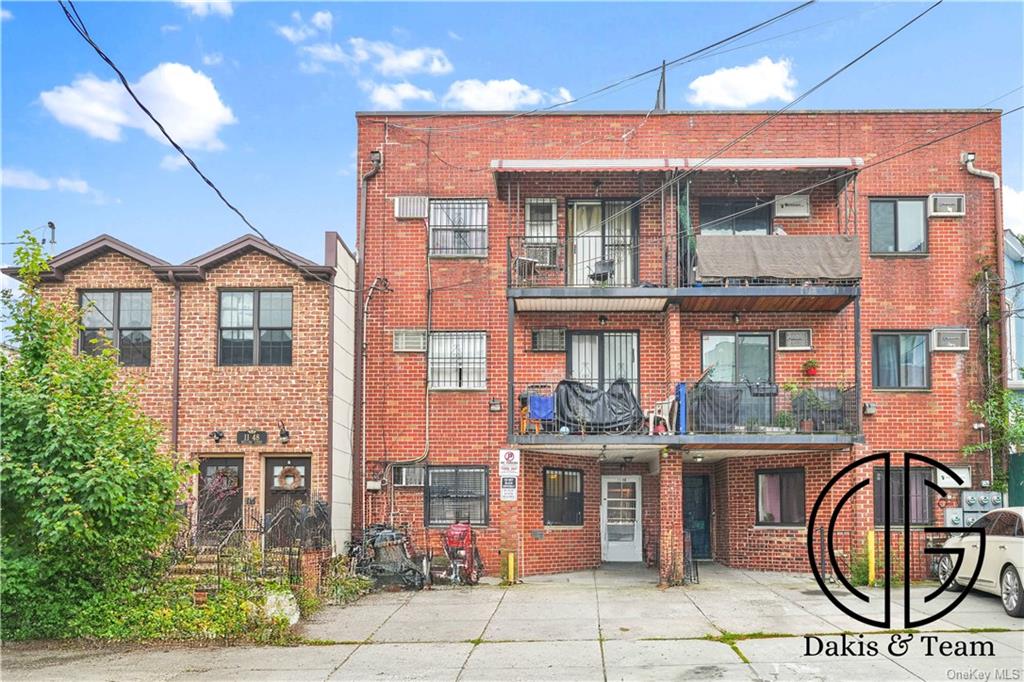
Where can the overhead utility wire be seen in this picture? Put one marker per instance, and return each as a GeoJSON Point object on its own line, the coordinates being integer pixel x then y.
{"type": "Point", "coordinates": [79, 26]}
{"type": "Point", "coordinates": [604, 88]}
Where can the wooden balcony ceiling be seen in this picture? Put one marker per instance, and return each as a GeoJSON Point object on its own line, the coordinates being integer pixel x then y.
{"type": "Point", "coordinates": [761, 300]}
{"type": "Point", "coordinates": [585, 304]}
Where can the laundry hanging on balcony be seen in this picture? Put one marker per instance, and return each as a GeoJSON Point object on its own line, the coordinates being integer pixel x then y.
{"type": "Point", "coordinates": [814, 258]}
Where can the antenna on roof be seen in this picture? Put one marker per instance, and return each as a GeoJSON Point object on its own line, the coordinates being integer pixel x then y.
{"type": "Point", "coordinates": [659, 102]}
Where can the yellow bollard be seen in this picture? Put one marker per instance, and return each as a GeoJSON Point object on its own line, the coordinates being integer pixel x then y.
{"type": "Point", "coordinates": [871, 556]}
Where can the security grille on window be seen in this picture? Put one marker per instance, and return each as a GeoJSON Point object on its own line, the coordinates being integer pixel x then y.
{"type": "Point", "coordinates": [549, 340]}
{"type": "Point", "coordinates": [920, 497]}
{"type": "Point", "coordinates": [457, 360]}
{"type": "Point", "coordinates": [542, 231]}
{"type": "Point", "coordinates": [456, 494]}
{"type": "Point", "coordinates": [563, 497]}
{"type": "Point", "coordinates": [780, 497]}
{"type": "Point", "coordinates": [255, 327]}
{"type": "Point", "coordinates": [118, 319]}
{"type": "Point", "coordinates": [900, 359]}
{"type": "Point", "coordinates": [407, 476]}
{"type": "Point", "coordinates": [898, 226]}
{"type": "Point", "coordinates": [458, 227]}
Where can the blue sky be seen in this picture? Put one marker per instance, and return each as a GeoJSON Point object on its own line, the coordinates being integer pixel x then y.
{"type": "Point", "coordinates": [264, 93]}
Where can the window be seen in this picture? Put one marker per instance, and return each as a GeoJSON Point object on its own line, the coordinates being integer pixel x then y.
{"type": "Point", "coordinates": [919, 503]}
{"type": "Point", "coordinates": [780, 497]}
{"type": "Point", "coordinates": [409, 340]}
{"type": "Point", "coordinates": [563, 497]}
{"type": "Point", "coordinates": [717, 216]}
{"type": "Point", "coordinates": [408, 475]}
{"type": "Point", "coordinates": [599, 359]}
{"type": "Point", "coordinates": [457, 360]}
{"type": "Point", "coordinates": [458, 228]}
{"type": "Point", "coordinates": [255, 327]}
{"type": "Point", "coordinates": [456, 494]}
{"type": "Point", "coordinates": [548, 340]}
{"type": "Point", "coordinates": [121, 319]}
{"type": "Point", "coordinates": [899, 360]}
{"type": "Point", "coordinates": [737, 357]}
{"type": "Point", "coordinates": [541, 242]}
{"type": "Point", "coordinates": [898, 226]}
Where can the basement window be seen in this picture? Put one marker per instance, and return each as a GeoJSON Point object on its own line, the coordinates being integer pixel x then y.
{"type": "Point", "coordinates": [117, 319]}
{"type": "Point", "coordinates": [456, 494]}
{"type": "Point", "coordinates": [563, 497]}
{"type": "Point", "coordinates": [918, 502]}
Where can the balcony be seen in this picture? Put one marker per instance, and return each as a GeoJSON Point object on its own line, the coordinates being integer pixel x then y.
{"type": "Point", "coordinates": [704, 415]}
{"type": "Point", "coordinates": [811, 273]}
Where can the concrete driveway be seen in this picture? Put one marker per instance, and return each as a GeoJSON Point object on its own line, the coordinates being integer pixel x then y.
{"type": "Point", "coordinates": [610, 624]}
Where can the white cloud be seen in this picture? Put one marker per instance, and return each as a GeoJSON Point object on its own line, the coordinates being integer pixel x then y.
{"type": "Point", "coordinates": [173, 162]}
{"type": "Point", "coordinates": [499, 95]}
{"type": "Point", "coordinates": [69, 185]}
{"type": "Point", "coordinates": [454, 36]}
{"type": "Point", "coordinates": [323, 20]}
{"type": "Point", "coordinates": [300, 31]}
{"type": "Point", "coordinates": [742, 86]}
{"type": "Point", "coordinates": [6, 15]}
{"type": "Point", "coordinates": [202, 9]}
{"type": "Point", "coordinates": [213, 59]}
{"type": "Point", "coordinates": [185, 101]}
{"type": "Point", "coordinates": [394, 95]}
{"type": "Point", "coordinates": [17, 178]}
{"type": "Point", "coordinates": [1013, 209]}
{"type": "Point", "coordinates": [170, 28]}
{"type": "Point", "coordinates": [385, 58]}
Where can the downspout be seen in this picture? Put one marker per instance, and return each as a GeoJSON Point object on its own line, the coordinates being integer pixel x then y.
{"type": "Point", "coordinates": [175, 368]}
{"type": "Point", "coordinates": [376, 160]}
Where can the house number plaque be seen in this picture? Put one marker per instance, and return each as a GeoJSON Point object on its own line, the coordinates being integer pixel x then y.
{"type": "Point", "coordinates": [252, 437]}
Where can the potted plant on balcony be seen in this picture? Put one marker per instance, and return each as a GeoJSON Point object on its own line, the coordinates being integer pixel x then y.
{"type": "Point", "coordinates": [783, 422]}
{"type": "Point", "coordinates": [811, 367]}
{"type": "Point", "coordinates": [803, 400]}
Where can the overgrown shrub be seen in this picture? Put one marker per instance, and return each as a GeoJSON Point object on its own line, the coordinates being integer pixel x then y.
{"type": "Point", "coordinates": [88, 498]}
{"type": "Point", "coordinates": [340, 585]}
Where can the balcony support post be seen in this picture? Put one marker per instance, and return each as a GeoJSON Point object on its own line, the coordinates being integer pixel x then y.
{"type": "Point", "coordinates": [511, 366]}
{"type": "Point", "coordinates": [857, 373]}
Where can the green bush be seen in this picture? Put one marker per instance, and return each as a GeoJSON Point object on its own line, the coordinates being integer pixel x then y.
{"type": "Point", "coordinates": [340, 586]}
{"type": "Point", "coordinates": [88, 498]}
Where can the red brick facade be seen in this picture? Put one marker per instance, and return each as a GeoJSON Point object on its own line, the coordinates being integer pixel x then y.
{"type": "Point", "coordinates": [918, 292]}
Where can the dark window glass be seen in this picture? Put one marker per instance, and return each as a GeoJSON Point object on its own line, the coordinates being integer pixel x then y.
{"type": "Point", "coordinates": [455, 494]}
{"type": "Point", "coordinates": [117, 319]}
{"type": "Point", "coordinates": [563, 497]}
{"type": "Point", "coordinates": [780, 497]}
{"type": "Point", "coordinates": [898, 226]}
{"type": "Point", "coordinates": [919, 501]}
{"type": "Point", "coordinates": [256, 327]}
{"type": "Point", "coordinates": [718, 216]}
{"type": "Point", "coordinates": [1005, 523]}
{"type": "Point", "coordinates": [900, 360]}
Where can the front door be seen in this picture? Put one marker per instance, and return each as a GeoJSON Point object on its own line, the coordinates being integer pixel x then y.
{"type": "Point", "coordinates": [601, 233]}
{"type": "Point", "coordinates": [621, 535]}
{"type": "Point", "coordinates": [697, 514]}
{"type": "Point", "coordinates": [285, 491]}
{"type": "Point", "coordinates": [219, 504]}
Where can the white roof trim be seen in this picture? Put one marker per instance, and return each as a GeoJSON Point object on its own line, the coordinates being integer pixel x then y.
{"type": "Point", "coordinates": [768, 163]}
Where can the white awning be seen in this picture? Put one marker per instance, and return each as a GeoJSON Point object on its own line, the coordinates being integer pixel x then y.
{"type": "Point", "coordinates": [680, 163]}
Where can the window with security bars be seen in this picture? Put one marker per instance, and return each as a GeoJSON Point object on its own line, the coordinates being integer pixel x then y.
{"type": "Point", "coordinates": [917, 501]}
{"type": "Point", "coordinates": [117, 319]}
{"type": "Point", "coordinates": [457, 360]}
{"type": "Point", "coordinates": [563, 497]}
{"type": "Point", "coordinates": [541, 243]}
{"type": "Point", "coordinates": [548, 340]}
{"type": "Point", "coordinates": [454, 494]}
{"type": "Point", "coordinates": [458, 228]}
{"type": "Point", "coordinates": [255, 327]}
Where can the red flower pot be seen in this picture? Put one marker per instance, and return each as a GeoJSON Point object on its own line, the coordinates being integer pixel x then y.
{"type": "Point", "coordinates": [811, 371]}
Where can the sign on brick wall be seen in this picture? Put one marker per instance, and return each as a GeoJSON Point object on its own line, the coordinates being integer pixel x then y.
{"type": "Point", "coordinates": [508, 462]}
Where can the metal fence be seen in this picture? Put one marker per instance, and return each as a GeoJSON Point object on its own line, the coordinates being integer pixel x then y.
{"type": "Point", "coordinates": [769, 407]}
{"type": "Point", "coordinates": [623, 260]}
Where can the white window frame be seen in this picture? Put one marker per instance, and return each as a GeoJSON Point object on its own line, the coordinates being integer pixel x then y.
{"type": "Point", "coordinates": [780, 332]}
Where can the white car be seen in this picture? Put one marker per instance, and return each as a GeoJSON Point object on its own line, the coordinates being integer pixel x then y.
{"type": "Point", "coordinates": [1003, 564]}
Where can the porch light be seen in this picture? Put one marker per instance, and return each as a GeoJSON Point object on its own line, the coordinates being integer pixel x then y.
{"type": "Point", "coordinates": [735, 318]}
{"type": "Point", "coordinates": [283, 433]}
{"type": "Point", "coordinates": [217, 435]}
{"type": "Point", "coordinates": [602, 320]}
{"type": "Point", "coordinates": [494, 405]}
{"type": "Point", "coordinates": [698, 458]}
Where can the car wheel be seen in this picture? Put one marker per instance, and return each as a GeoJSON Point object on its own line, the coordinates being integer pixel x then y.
{"type": "Point", "coordinates": [945, 569]}
{"type": "Point", "coordinates": [1012, 592]}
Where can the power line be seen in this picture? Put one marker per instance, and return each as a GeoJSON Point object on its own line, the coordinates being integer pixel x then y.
{"type": "Point", "coordinates": [610, 86]}
{"type": "Point", "coordinates": [79, 25]}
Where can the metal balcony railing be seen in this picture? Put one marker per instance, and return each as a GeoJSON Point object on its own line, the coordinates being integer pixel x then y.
{"type": "Point", "coordinates": [771, 408]}
{"type": "Point", "coordinates": [589, 261]}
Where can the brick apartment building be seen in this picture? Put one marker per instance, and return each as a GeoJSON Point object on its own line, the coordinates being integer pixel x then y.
{"type": "Point", "coordinates": [244, 354]}
{"type": "Point", "coordinates": [675, 339]}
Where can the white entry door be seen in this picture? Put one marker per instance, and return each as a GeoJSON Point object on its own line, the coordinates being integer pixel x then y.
{"type": "Point", "coordinates": [621, 536]}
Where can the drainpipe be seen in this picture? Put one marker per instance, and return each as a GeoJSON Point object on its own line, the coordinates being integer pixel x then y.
{"type": "Point", "coordinates": [376, 162]}
{"type": "Point", "coordinates": [175, 369]}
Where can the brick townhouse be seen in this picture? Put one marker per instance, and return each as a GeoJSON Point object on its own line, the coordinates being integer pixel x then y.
{"type": "Point", "coordinates": [244, 354]}
{"type": "Point", "coordinates": [680, 340]}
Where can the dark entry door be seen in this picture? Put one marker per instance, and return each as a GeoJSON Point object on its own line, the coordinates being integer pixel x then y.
{"type": "Point", "coordinates": [286, 492]}
{"type": "Point", "coordinates": [697, 514]}
{"type": "Point", "coordinates": [220, 497]}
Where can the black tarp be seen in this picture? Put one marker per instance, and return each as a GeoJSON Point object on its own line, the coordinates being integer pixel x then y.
{"type": "Point", "coordinates": [587, 409]}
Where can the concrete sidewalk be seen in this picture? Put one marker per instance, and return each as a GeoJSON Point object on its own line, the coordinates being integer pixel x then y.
{"type": "Point", "coordinates": [610, 624]}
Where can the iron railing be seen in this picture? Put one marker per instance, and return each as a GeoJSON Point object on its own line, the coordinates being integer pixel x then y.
{"type": "Point", "coordinates": [626, 260]}
{"type": "Point", "coordinates": [769, 407]}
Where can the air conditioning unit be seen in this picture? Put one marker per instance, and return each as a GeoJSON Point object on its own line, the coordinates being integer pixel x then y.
{"type": "Point", "coordinates": [793, 339]}
{"type": "Point", "coordinates": [549, 340]}
{"type": "Point", "coordinates": [411, 207]}
{"type": "Point", "coordinates": [409, 341]}
{"type": "Point", "coordinates": [545, 253]}
{"type": "Point", "coordinates": [947, 205]}
{"type": "Point", "coordinates": [956, 339]}
{"type": "Point", "coordinates": [795, 206]}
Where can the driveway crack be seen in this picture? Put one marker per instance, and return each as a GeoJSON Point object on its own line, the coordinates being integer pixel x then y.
{"type": "Point", "coordinates": [600, 630]}
{"type": "Point", "coordinates": [479, 639]}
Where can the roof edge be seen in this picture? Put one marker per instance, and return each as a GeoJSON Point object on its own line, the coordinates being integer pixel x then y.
{"type": "Point", "coordinates": [681, 112]}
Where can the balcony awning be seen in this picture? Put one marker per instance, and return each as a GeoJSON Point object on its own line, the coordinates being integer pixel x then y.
{"type": "Point", "coordinates": [777, 257]}
{"type": "Point", "coordinates": [678, 163]}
